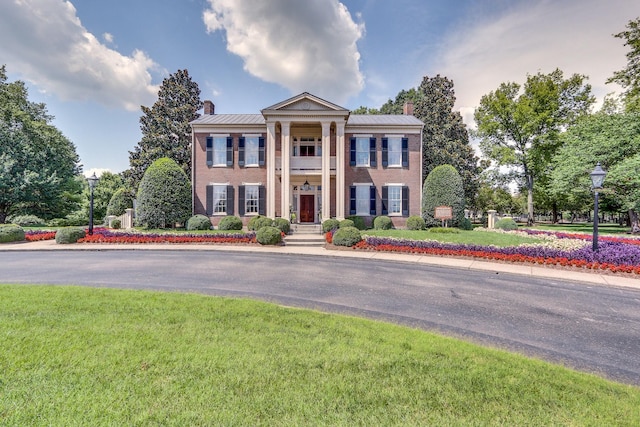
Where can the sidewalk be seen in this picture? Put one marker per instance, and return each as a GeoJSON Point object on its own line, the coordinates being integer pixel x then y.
{"type": "Point", "coordinates": [459, 263]}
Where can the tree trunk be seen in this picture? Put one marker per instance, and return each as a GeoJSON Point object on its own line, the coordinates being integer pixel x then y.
{"type": "Point", "coordinates": [635, 223]}
{"type": "Point", "coordinates": [3, 217]}
{"type": "Point", "coordinates": [530, 219]}
{"type": "Point", "coordinates": [555, 212]}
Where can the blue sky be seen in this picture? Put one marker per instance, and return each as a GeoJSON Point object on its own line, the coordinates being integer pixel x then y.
{"type": "Point", "coordinates": [95, 62]}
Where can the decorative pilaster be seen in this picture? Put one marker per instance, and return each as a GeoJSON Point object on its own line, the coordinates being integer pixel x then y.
{"type": "Point", "coordinates": [285, 173]}
{"type": "Point", "coordinates": [326, 171]}
{"type": "Point", "coordinates": [340, 165]}
{"type": "Point", "coordinates": [271, 170]}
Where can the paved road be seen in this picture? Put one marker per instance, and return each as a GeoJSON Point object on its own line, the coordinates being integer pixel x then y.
{"type": "Point", "coordinates": [588, 327]}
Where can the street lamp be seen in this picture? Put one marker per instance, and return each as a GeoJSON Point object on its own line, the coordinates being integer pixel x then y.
{"type": "Point", "coordinates": [93, 180]}
{"type": "Point", "coordinates": [597, 178]}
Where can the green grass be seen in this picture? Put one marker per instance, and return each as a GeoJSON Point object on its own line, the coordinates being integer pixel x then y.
{"type": "Point", "coordinates": [80, 356]}
{"type": "Point", "coordinates": [466, 237]}
{"type": "Point", "coordinates": [583, 228]}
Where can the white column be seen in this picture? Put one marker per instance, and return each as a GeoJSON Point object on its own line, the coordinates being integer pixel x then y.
{"type": "Point", "coordinates": [285, 174]}
{"type": "Point", "coordinates": [271, 170]}
{"type": "Point", "coordinates": [326, 171]}
{"type": "Point", "coordinates": [340, 165]}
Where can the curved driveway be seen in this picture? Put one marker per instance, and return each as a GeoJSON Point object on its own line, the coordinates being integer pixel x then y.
{"type": "Point", "coordinates": [588, 327]}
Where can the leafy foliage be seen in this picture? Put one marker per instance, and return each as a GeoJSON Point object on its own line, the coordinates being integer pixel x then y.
{"type": "Point", "coordinates": [38, 164]}
{"type": "Point", "coordinates": [11, 233]}
{"type": "Point", "coordinates": [415, 222]}
{"type": "Point", "coordinates": [358, 222]}
{"type": "Point", "coordinates": [629, 77]}
{"type": "Point", "coordinates": [120, 201]}
{"type": "Point", "coordinates": [346, 223]}
{"type": "Point", "coordinates": [269, 235]}
{"type": "Point", "coordinates": [282, 224]}
{"type": "Point", "coordinates": [164, 195]}
{"type": "Point", "coordinates": [199, 222]}
{"type": "Point", "coordinates": [346, 236]}
{"type": "Point", "coordinates": [27, 220]}
{"type": "Point", "coordinates": [259, 221]}
{"type": "Point", "coordinates": [507, 224]}
{"type": "Point", "coordinates": [165, 127]}
{"type": "Point", "coordinates": [382, 222]}
{"type": "Point", "coordinates": [69, 235]}
{"type": "Point", "coordinates": [106, 187]}
{"type": "Point", "coordinates": [330, 224]}
{"type": "Point", "coordinates": [443, 187]}
{"type": "Point", "coordinates": [230, 222]}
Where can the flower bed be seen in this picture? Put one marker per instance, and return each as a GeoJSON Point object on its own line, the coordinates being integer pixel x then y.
{"type": "Point", "coordinates": [36, 235]}
{"type": "Point", "coordinates": [106, 236]}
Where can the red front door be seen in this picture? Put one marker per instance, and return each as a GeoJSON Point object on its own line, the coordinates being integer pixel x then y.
{"type": "Point", "coordinates": [306, 208]}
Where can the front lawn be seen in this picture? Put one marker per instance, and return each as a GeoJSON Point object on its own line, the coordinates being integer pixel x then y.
{"type": "Point", "coordinates": [463, 236]}
{"type": "Point", "coordinates": [81, 356]}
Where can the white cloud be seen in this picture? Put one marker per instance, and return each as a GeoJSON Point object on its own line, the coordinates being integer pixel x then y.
{"type": "Point", "coordinates": [108, 37]}
{"type": "Point", "coordinates": [574, 35]}
{"type": "Point", "coordinates": [301, 45]}
{"type": "Point", "coordinates": [45, 42]}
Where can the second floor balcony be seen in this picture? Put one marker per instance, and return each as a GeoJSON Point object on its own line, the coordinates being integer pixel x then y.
{"type": "Point", "coordinates": [306, 165]}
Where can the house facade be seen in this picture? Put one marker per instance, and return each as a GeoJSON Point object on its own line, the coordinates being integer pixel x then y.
{"type": "Point", "coordinates": [309, 160]}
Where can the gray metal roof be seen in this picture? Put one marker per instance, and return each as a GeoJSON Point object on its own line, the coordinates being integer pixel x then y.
{"type": "Point", "coordinates": [229, 119]}
{"type": "Point", "coordinates": [382, 120]}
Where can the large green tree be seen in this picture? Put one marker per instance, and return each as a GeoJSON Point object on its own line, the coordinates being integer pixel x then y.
{"type": "Point", "coordinates": [629, 77]}
{"type": "Point", "coordinates": [614, 141]}
{"type": "Point", "coordinates": [38, 163]}
{"type": "Point", "coordinates": [519, 127]}
{"type": "Point", "coordinates": [165, 127]}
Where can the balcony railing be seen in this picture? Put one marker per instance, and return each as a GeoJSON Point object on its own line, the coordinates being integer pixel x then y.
{"type": "Point", "coordinates": [305, 165]}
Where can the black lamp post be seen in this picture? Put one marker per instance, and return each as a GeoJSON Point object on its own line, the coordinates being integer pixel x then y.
{"type": "Point", "coordinates": [597, 178]}
{"type": "Point", "coordinates": [93, 180]}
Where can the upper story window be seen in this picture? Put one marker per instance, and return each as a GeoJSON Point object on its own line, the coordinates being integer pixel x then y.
{"type": "Point", "coordinates": [307, 147]}
{"type": "Point", "coordinates": [219, 151]}
{"type": "Point", "coordinates": [363, 151]}
{"type": "Point", "coordinates": [251, 151]}
{"type": "Point", "coordinates": [395, 152]}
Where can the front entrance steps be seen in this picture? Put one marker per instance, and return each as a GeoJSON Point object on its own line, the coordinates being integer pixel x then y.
{"type": "Point", "coordinates": [305, 235]}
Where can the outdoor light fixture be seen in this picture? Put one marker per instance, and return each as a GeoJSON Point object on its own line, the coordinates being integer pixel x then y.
{"type": "Point", "coordinates": [597, 178]}
{"type": "Point", "coordinates": [306, 186]}
{"type": "Point", "coordinates": [93, 180]}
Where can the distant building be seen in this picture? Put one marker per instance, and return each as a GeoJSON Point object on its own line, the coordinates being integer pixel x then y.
{"type": "Point", "coordinates": [308, 157]}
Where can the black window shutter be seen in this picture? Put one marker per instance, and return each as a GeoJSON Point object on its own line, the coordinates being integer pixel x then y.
{"type": "Point", "coordinates": [405, 201]}
{"type": "Point", "coordinates": [385, 152]}
{"type": "Point", "coordinates": [241, 151]}
{"type": "Point", "coordinates": [229, 151]}
{"type": "Point", "coordinates": [352, 200]}
{"type": "Point", "coordinates": [262, 199]}
{"type": "Point", "coordinates": [372, 200]}
{"type": "Point", "coordinates": [230, 200]}
{"type": "Point", "coordinates": [385, 200]}
{"type": "Point", "coordinates": [209, 151]}
{"type": "Point", "coordinates": [209, 200]}
{"type": "Point", "coordinates": [241, 200]}
{"type": "Point", "coordinates": [352, 152]}
{"type": "Point", "coordinates": [261, 151]}
{"type": "Point", "coordinates": [372, 153]}
{"type": "Point", "coordinates": [405, 152]}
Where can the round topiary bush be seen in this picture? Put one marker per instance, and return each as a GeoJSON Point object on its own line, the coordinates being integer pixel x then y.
{"type": "Point", "coordinates": [120, 202]}
{"type": "Point", "coordinates": [69, 235]}
{"type": "Point", "coordinates": [443, 187]}
{"type": "Point", "coordinates": [257, 222]}
{"type": "Point", "coordinates": [346, 236]}
{"type": "Point", "coordinates": [506, 224]}
{"type": "Point", "coordinates": [283, 224]}
{"type": "Point", "coordinates": [346, 223]}
{"type": "Point", "coordinates": [358, 222]}
{"type": "Point", "coordinates": [382, 222]}
{"type": "Point", "coordinates": [116, 224]}
{"type": "Point", "coordinates": [199, 222]}
{"type": "Point", "coordinates": [330, 224]}
{"type": "Point", "coordinates": [465, 224]}
{"type": "Point", "coordinates": [415, 222]}
{"type": "Point", "coordinates": [11, 233]}
{"type": "Point", "coordinates": [269, 235]}
{"type": "Point", "coordinates": [230, 222]}
{"type": "Point", "coordinates": [27, 221]}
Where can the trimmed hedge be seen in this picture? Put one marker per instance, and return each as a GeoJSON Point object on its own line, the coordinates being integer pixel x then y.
{"type": "Point", "coordinates": [257, 222]}
{"type": "Point", "coordinates": [358, 222]}
{"type": "Point", "coordinates": [330, 224]}
{"type": "Point", "coordinates": [269, 235]}
{"type": "Point", "coordinates": [282, 224]}
{"type": "Point", "coordinates": [415, 222]}
{"type": "Point", "coordinates": [507, 224]}
{"type": "Point", "coordinates": [199, 222]}
{"type": "Point", "coordinates": [116, 224]}
{"type": "Point", "coordinates": [465, 224]}
{"type": "Point", "coordinates": [27, 221]}
{"type": "Point", "coordinates": [382, 223]}
{"type": "Point", "coordinates": [444, 230]}
{"type": "Point", "coordinates": [69, 235]}
{"type": "Point", "coordinates": [443, 187]}
{"type": "Point", "coordinates": [11, 233]}
{"type": "Point", "coordinates": [346, 236]}
{"type": "Point", "coordinates": [346, 223]}
{"type": "Point", "coordinates": [230, 222]}
{"type": "Point", "coordinates": [120, 202]}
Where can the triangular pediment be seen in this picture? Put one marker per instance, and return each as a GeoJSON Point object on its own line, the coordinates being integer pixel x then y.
{"type": "Point", "coordinates": [305, 102]}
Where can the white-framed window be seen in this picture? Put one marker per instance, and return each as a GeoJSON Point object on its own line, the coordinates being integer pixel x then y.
{"type": "Point", "coordinates": [394, 152]}
{"type": "Point", "coordinates": [362, 151]}
{"type": "Point", "coordinates": [394, 199]}
{"type": "Point", "coordinates": [363, 199]}
{"type": "Point", "coordinates": [219, 199]}
{"type": "Point", "coordinates": [251, 151]}
{"type": "Point", "coordinates": [251, 199]}
{"type": "Point", "coordinates": [307, 147]}
{"type": "Point", "coordinates": [219, 151]}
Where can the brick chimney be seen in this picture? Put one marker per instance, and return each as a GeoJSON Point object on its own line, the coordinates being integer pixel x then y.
{"type": "Point", "coordinates": [407, 108]}
{"type": "Point", "coordinates": [209, 108]}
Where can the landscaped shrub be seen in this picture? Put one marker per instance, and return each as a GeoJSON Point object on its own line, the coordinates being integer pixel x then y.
{"type": "Point", "coordinates": [506, 224]}
{"type": "Point", "coordinates": [69, 235]}
{"type": "Point", "coordinates": [27, 221]}
{"type": "Point", "coordinates": [382, 223]}
{"type": "Point", "coordinates": [199, 222]}
{"type": "Point", "coordinates": [164, 195]}
{"type": "Point", "coordinates": [465, 224]}
{"type": "Point", "coordinates": [116, 224]}
{"type": "Point", "coordinates": [120, 202]}
{"type": "Point", "coordinates": [11, 233]}
{"type": "Point", "coordinates": [230, 222]}
{"type": "Point", "coordinates": [268, 235]}
{"type": "Point", "coordinates": [346, 236]}
{"type": "Point", "coordinates": [283, 224]}
{"type": "Point", "coordinates": [346, 223]}
{"type": "Point", "coordinates": [415, 222]}
{"type": "Point", "coordinates": [330, 224]}
{"type": "Point", "coordinates": [444, 230]}
{"type": "Point", "coordinates": [257, 222]}
{"type": "Point", "coordinates": [358, 222]}
{"type": "Point", "coordinates": [443, 187]}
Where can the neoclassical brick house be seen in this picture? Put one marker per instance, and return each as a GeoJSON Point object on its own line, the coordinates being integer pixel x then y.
{"type": "Point", "coordinates": [308, 157]}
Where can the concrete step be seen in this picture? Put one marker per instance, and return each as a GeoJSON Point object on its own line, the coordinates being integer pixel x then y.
{"type": "Point", "coordinates": [306, 229]}
{"type": "Point", "coordinates": [304, 240]}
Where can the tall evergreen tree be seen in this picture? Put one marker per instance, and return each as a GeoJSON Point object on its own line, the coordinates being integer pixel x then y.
{"type": "Point", "coordinates": [165, 127]}
{"type": "Point", "coordinates": [629, 77]}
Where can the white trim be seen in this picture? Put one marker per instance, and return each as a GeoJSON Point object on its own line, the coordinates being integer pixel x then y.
{"type": "Point", "coordinates": [219, 183]}
{"type": "Point", "coordinates": [362, 183]}
{"type": "Point", "coordinates": [251, 183]}
{"type": "Point", "coordinates": [252, 135]}
{"type": "Point", "coordinates": [394, 136]}
{"type": "Point", "coordinates": [220, 135]}
{"type": "Point", "coordinates": [394, 184]}
{"type": "Point", "coordinates": [361, 135]}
